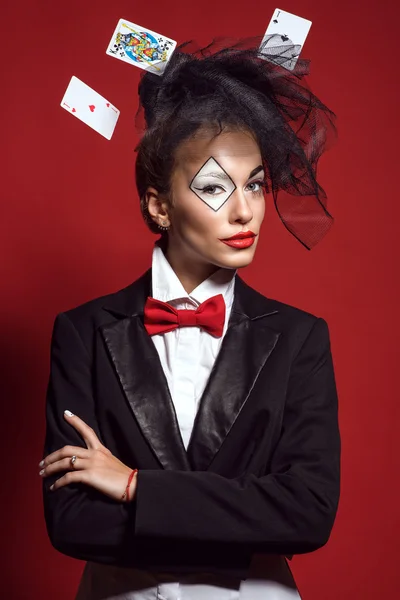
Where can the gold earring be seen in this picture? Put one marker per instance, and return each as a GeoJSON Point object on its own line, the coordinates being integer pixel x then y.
{"type": "Point", "coordinates": [163, 226]}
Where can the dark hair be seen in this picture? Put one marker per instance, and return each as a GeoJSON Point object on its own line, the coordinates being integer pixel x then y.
{"type": "Point", "coordinates": [238, 86]}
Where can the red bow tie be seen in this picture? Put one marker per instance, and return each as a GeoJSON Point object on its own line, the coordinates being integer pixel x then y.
{"type": "Point", "coordinates": [160, 317]}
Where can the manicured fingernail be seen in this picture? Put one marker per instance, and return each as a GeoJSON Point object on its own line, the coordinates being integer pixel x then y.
{"type": "Point", "coordinates": [52, 487]}
{"type": "Point", "coordinates": [41, 472]}
{"type": "Point", "coordinates": [41, 464]}
{"type": "Point", "coordinates": [68, 413]}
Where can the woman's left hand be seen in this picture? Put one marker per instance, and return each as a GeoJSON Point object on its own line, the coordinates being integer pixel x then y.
{"type": "Point", "coordinates": [94, 465]}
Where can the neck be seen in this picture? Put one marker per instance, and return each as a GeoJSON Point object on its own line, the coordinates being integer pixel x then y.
{"type": "Point", "coordinates": [190, 273]}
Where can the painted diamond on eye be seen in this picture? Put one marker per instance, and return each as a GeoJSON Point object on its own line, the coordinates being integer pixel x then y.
{"type": "Point", "coordinates": [212, 184]}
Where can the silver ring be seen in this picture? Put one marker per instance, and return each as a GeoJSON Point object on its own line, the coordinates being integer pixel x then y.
{"type": "Point", "coordinates": [72, 461]}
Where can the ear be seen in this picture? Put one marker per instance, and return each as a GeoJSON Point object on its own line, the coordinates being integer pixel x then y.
{"type": "Point", "coordinates": [157, 206]}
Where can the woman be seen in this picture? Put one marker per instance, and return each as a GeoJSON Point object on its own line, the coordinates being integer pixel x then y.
{"type": "Point", "coordinates": [192, 440]}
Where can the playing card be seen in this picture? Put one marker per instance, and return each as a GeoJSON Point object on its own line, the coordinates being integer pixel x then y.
{"type": "Point", "coordinates": [284, 38]}
{"type": "Point", "coordinates": [140, 46]}
{"type": "Point", "coordinates": [91, 108]}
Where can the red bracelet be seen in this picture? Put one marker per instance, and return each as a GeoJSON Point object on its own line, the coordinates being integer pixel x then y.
{"type": "Point", "coordinates": [126, 492]}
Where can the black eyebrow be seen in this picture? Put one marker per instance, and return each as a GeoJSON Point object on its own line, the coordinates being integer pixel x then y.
{"type": "Point", "coordinates": [255, 171]}
{"type": "Point", "coordinates": [224, 175]}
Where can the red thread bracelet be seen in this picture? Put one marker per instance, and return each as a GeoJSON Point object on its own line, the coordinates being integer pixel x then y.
{"type": "Point", "coordinates": [126, 492]}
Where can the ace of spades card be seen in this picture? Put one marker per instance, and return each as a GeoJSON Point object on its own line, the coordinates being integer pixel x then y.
{"type": "Point", "coordinates": [140, 46]}
{"type": "Point", "coordinates": [284, 38]}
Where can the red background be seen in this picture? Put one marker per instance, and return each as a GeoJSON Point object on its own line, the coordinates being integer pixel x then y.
{"type": "Point", "coordinates": [71, 230]}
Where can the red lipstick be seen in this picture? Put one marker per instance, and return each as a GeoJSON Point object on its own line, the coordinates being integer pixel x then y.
{"type": "Point", "coordinates": [243, 239]}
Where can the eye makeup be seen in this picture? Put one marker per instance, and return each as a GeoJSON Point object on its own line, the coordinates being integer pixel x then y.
{"type": "Point", "coordinates": [214, 186]}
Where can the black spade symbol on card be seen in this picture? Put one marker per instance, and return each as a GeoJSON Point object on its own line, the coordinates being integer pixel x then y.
{"type": "Point", "coordinates": [275, 20]}
{"type": "Point", "coordinates": [284, 38]}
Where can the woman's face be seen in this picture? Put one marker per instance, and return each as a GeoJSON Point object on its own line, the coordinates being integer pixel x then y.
{"type": "Point", "coordinates": [217, 192]}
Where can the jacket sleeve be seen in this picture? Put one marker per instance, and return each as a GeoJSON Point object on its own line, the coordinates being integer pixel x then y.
{"type": "Point", "coordinates": [81, 522]}
{"type": "Point", "coordinates": [290, 510]}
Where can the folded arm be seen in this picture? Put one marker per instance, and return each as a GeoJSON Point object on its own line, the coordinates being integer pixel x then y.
{"type": "Point", "coordinates": [289, 511]}
{"type": "Point", "coordinates": [81, 521]}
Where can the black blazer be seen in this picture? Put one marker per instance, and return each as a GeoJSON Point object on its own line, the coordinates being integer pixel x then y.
{"type": "Point", "coordinates": [262, 470]}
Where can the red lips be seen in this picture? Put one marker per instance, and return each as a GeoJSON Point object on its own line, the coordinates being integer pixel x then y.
{"type": "Point", "coordinates": [241, 240]}
{"type": "Point", "coordinates": [242, 235]}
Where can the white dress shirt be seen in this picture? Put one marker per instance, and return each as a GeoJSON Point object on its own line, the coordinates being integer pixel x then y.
{"type": "Point", "coordinates": [187, 355]}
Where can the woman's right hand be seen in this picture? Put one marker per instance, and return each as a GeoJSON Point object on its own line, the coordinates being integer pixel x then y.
{"type": "Point", "coordinates": [95, 465]}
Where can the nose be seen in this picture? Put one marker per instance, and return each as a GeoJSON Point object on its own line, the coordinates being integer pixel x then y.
{"type": "Point", "coordinates": [240, 210]}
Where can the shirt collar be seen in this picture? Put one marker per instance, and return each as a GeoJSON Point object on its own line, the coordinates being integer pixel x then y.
{"type": "Point", "coordinates": [167, 287]}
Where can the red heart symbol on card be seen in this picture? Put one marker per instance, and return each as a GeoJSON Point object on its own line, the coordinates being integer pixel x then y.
{"type": "Point", "coordinates": [107, 104]}
{"type": "Point", "coordinates": [74, 110]}
{"type": "Point", "coordinates": [91, 107]}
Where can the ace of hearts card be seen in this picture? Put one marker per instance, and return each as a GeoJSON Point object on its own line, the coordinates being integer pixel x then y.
{"type": "Point", "coordinates": [90, 107]}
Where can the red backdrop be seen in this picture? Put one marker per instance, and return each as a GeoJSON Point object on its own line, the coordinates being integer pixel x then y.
{"type": "Point", "coordinates": [69, 202]}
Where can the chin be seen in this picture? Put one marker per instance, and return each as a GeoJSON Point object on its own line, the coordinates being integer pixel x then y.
{"type": "Point", "coordinates": [237, 260]}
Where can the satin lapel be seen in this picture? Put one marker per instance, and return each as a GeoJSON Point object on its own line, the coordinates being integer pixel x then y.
{"type": "Point", "coordinates": [139, 370]}
{"type": "Point", "coordinates": [246, 347]}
